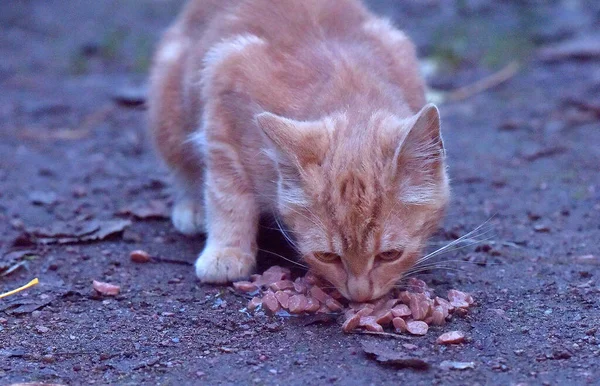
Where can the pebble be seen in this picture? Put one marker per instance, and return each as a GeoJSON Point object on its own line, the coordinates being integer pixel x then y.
{"type": "Point", "coordinates": [139, 256]}
{"type": "Point", "coordinates": [42, 329]}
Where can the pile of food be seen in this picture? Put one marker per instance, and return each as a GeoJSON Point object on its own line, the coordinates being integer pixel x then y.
{"type": "Point", "coordinates": [412, 310]}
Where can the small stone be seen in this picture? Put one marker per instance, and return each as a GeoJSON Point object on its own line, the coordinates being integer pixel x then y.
{"type": "Point", "coordinates": [588, 259]}
{"type": "Point", "coordinates": [48, 358]}
{"type": "Point", "coordinates": [452, 337]}
{"type": "Point", "coordinates": [42, 329]}
{"type": "Point", "coordinates": [139, 256]}
{"type": "Point", "coordinates": [417, 327]}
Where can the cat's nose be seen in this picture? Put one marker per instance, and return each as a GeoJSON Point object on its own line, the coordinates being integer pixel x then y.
{"type": "Point", "coordinates": [359, 288]}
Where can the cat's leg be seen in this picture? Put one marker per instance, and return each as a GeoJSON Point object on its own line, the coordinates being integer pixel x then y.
{"type": "Point", "coordinates": [232, 216]}
{"type": "Point", "coordinates": [188, 214]}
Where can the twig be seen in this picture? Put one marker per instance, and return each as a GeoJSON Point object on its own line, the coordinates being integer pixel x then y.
{"type": "Point", "coordinates": [486, 83]}
{"type": "Point", "coordinates": [382, 334]}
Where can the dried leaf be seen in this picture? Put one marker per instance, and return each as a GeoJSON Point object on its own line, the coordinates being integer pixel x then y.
{"type": "Point", "coordinates": [390, 357]}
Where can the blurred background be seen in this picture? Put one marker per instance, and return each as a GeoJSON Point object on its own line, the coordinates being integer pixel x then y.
{"type": "Point", "coordinates": [518, 84]}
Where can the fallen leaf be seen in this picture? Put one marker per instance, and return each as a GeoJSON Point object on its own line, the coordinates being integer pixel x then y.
{"type": "Point", "coordinates": [153, 209]}
{"type": "Point", "coordinates": [62, 233]}
{"type": "Point", "coordinates": [390, 357]}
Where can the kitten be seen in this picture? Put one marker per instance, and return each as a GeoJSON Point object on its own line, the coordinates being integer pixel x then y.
{"type": "Point", "coordinates": [311, 110]}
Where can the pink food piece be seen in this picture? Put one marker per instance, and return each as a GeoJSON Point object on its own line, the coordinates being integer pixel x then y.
{"type": "Point", "coordinates": [401, 311]}
{"type": "Point", "coordinates": [283, 299]}
{"type": "Point", "coordinates": [312, 305]}
{"type": "Point", "coordinates": [351, 323]}
{"type": "Point", "coordinates": [399, 324]}
{"type": "Point", "coordinates": [281, 271]}
{"type": "Point", "coordinates": [417, 327]}
{"type": "Point", "coordinates": [297, 304]}
{"type": "Point", "coordinates": [270, 302]}
{"type": "Point", "coordinates": [254, 303]}
{"type": "Point", "coordinates": [391, 303]}
{"type": "Point", "coordinates": [448, 308]}
{"type": "Point", "coordinates": [384, 317]}
{"type": "Point", "coordinates": [255, 277]}
{"type": "Point", "coordinates": [311, 278]}
{"type": "Point", "coordinates": [323, 309]}
{"type": "Point", "coordinates": [337, 295]}
{"type": "Point", "coordinates": [438, 318]}
{"type": "Point", "coordinates": [245, 286]}
{"type": "Point", "coordinates": [365, 311]}
{"type": "Point", "coordinates": [282, 285]}
{"type": "Point", "coordinates": [459, 299]}
{"type": "Point", "coordinates": [405, 297]}
{"type": "Point", "coordinates": [300, 285]}
{"type": "Point", "coordinates": [381, 303]}
{"type": "Point", "coordinates": [318, 294]}
{"type": "Point", "coordinates": [334, 305]}
{"type": "Point", "coordinates": [416, 285]}
{"type": "Point", "coordinates": [452, 337]}
{"type": "Point", "coordinates": [420, 306]}
{"type": "Point", "coordinates": [106, 288]}
{"type": "Point", "coordinates": [370, 324]}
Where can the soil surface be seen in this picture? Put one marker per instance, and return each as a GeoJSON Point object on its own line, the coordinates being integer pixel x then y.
{"type": "Point", "coordinates": [80, 188]}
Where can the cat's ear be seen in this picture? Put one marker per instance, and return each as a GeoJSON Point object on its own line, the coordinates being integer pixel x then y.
{"type": "Point", "coordinates": [421, 140]}
{"type": "Point", "coordinates": [303, 142]}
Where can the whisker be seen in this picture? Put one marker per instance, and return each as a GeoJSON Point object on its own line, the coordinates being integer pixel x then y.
{"type": "Point", "coordinates": [286, 235]}
{"type": "Point", "coordinates": [457, 241]}
{"type": "Point", "coordinates": [284, 258]}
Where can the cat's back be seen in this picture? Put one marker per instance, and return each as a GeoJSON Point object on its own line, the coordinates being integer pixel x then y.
{"type": "Point", "coordinates": [281, 21]}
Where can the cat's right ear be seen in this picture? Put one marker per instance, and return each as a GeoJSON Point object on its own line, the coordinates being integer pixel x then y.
{"type": "Point", "coordinates": [302, 142]}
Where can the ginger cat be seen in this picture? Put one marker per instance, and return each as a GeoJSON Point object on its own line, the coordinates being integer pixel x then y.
{"type": "Point", "coordinates": [312, 111]}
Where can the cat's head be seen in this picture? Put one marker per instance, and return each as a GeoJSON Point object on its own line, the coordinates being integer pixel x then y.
{"type": "Point", "coordinates": [361, 194]}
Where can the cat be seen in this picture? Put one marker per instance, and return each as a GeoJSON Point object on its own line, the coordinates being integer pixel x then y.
{"type": "Point", "coordinates": [313, 111]}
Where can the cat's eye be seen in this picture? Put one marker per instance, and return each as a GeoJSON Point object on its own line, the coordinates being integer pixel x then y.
{"type": "Point", "coordinates": [392, 255]}
{"type": "Point", "coordinates": [327, 257]}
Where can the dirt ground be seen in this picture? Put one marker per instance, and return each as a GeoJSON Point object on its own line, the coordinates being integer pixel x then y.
{"type": "Point", "coordinates": [80, 188]}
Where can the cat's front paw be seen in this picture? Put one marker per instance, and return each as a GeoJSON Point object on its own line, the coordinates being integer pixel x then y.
{"type": "Point", "coordinates": [188, 216]}
{"type": "Point", "coordinates": [222, 265]}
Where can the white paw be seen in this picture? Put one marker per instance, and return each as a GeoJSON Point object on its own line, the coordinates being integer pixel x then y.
{"type": "Point", "coordinates": [222, 265]}
{"type": "Point", "coordinates": [188, 216]}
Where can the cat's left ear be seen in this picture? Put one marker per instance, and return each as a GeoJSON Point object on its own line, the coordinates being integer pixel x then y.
{"type": "Point", "coordinates": [422, 141]}
{"type": "Point", "coordinates": [302, 142]}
